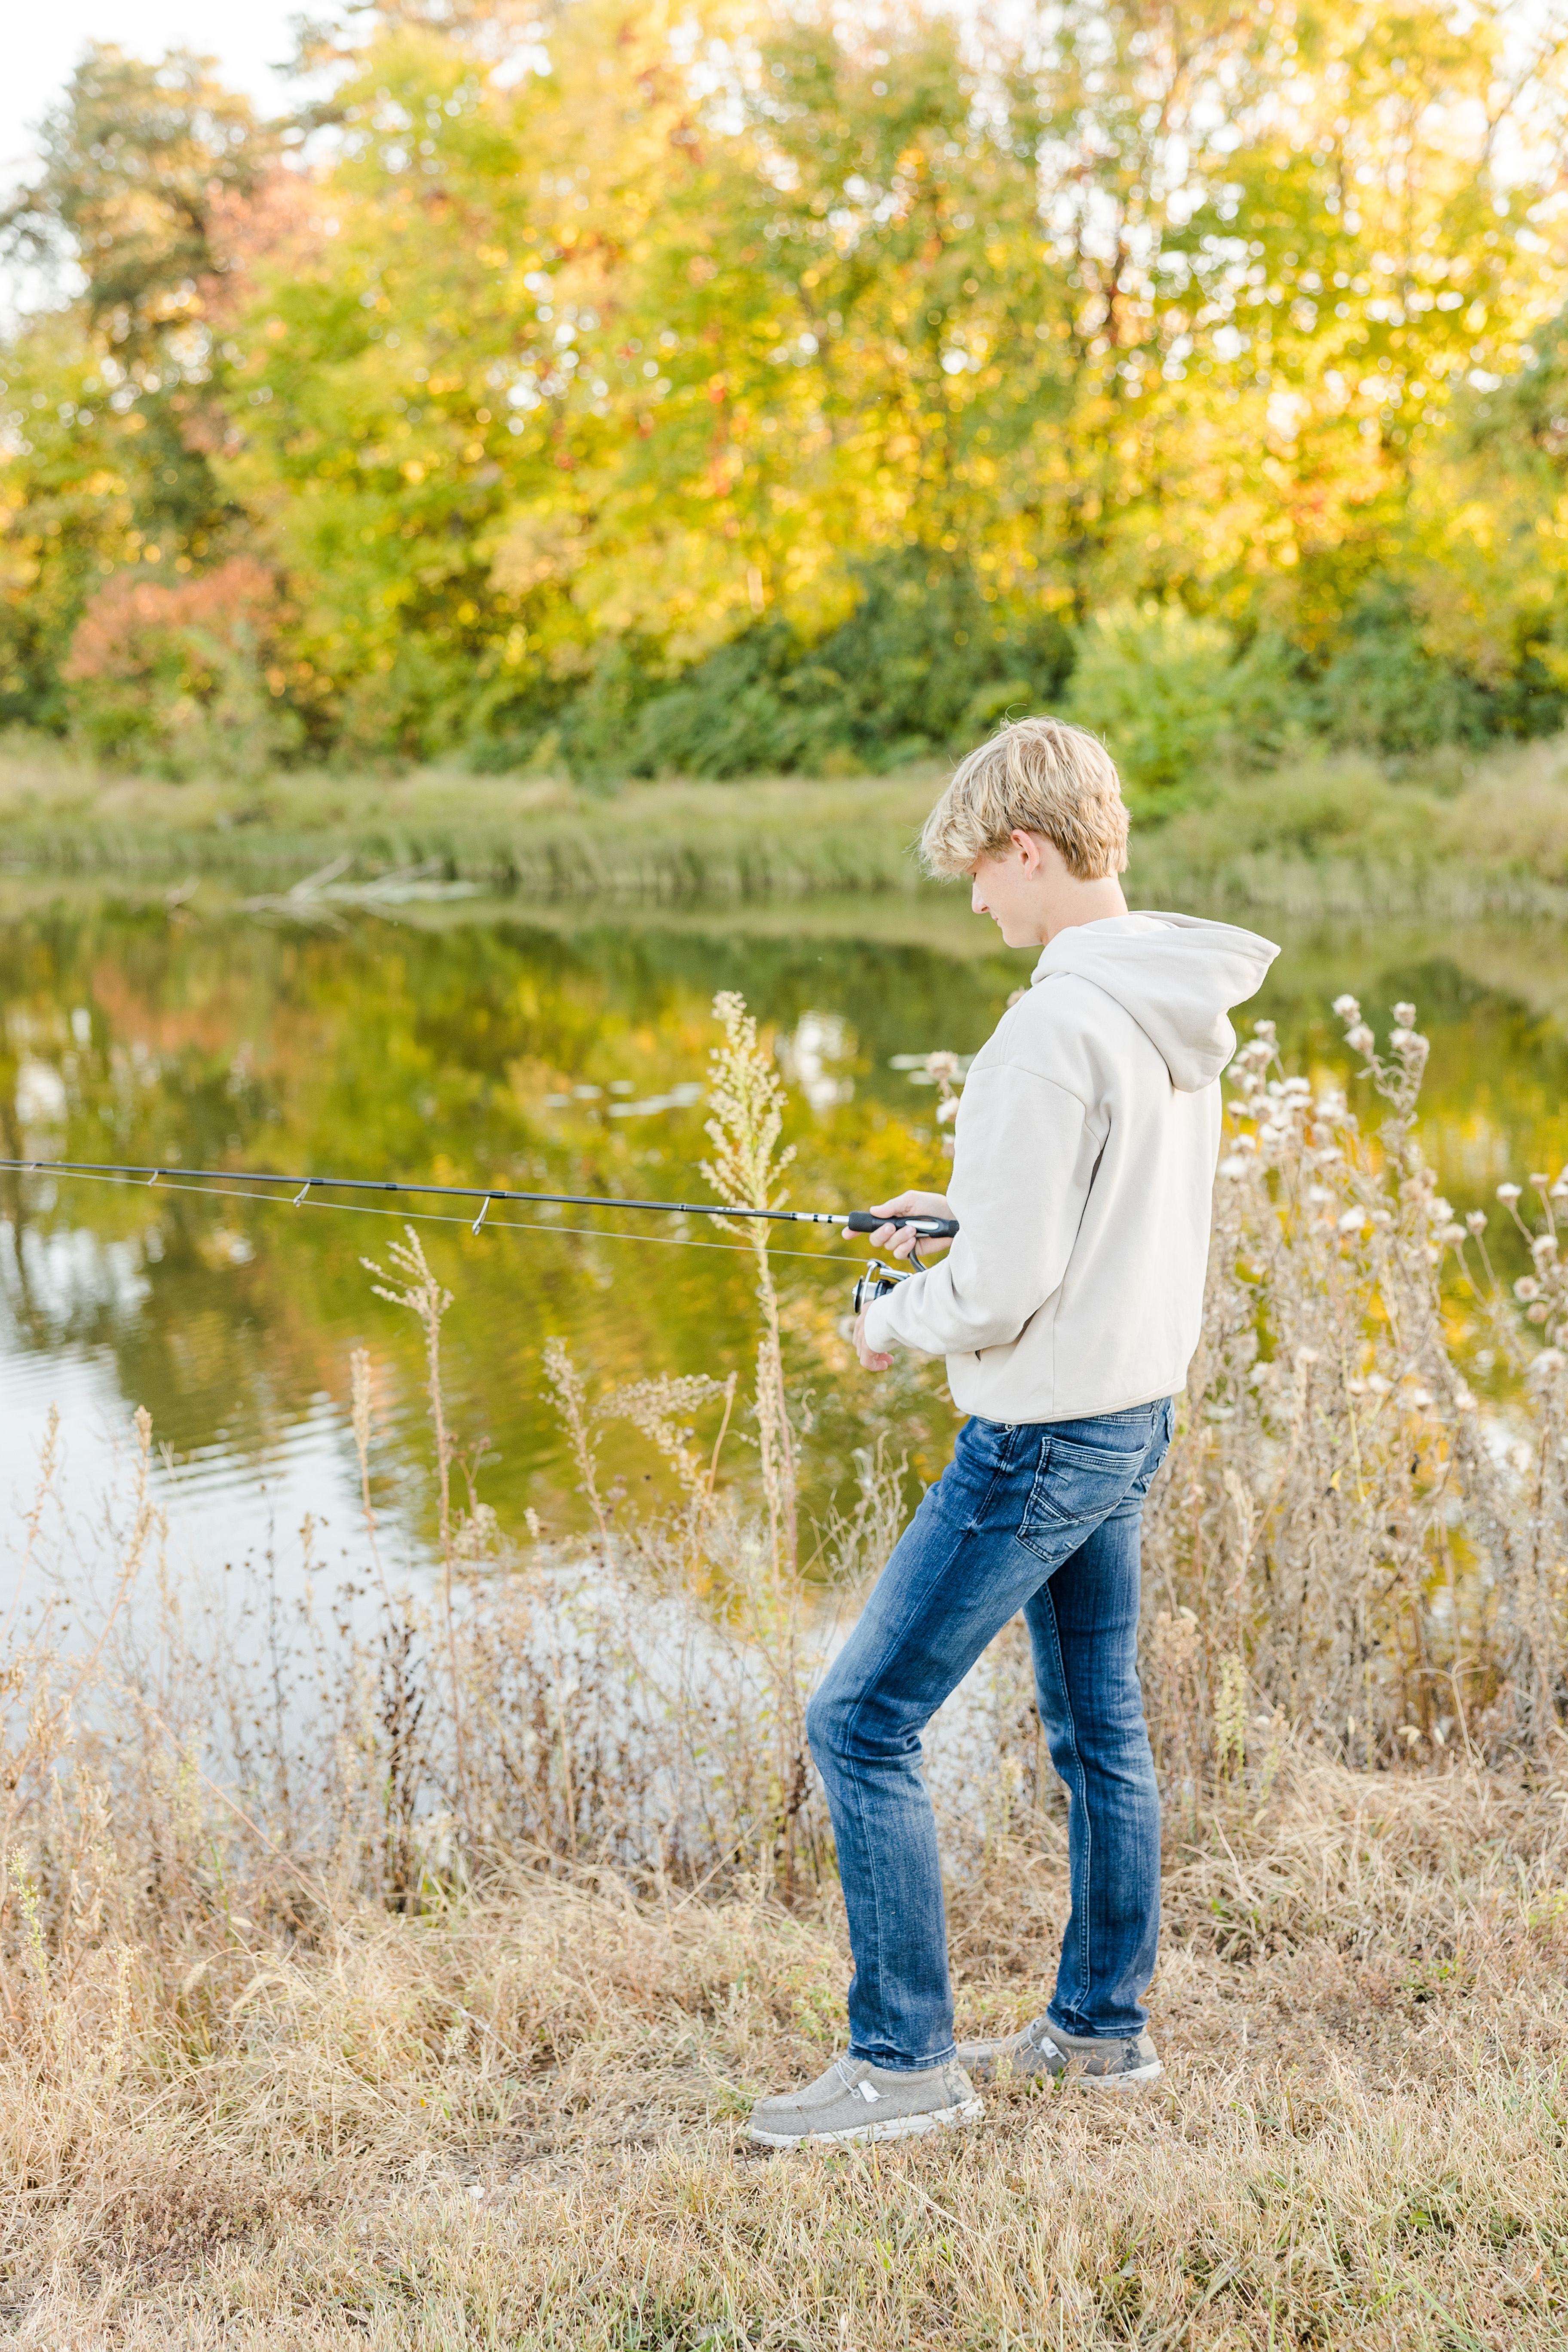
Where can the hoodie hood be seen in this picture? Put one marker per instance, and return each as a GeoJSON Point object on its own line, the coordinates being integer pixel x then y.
{"type": "Point", "coordinates": [1177, 975]}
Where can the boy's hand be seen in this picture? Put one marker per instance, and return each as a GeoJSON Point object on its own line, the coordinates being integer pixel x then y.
{"type": "Point", "coordinates": [869, 1357]}
{"type": "Point", "coordinates": [910, 1204]}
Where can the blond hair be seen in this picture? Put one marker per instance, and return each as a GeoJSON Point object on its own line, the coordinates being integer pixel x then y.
{"type": "Point", "coordinates": [1037, 775]}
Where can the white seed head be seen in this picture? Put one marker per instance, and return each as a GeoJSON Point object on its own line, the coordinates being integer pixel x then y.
{"type": "Point", "coordinates": [1508, 1193]}
{"type": "Point", "coordinates": [1347, 1008]}
{"type": "Point", "coordinates": [1406, 1015]}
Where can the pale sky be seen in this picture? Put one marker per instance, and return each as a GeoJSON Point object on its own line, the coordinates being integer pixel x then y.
{"type": "Point", "coordinates": [43, 40]}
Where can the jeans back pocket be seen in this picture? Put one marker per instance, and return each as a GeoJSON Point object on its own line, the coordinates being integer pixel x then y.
{"type": "Point", "coordinates": [1076, 1487]}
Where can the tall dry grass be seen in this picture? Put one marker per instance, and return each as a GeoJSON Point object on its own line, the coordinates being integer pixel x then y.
{"type": "Point", "coordinates": [1455, 840]}
{"type": "Point", "coordinates": [396, 1970]}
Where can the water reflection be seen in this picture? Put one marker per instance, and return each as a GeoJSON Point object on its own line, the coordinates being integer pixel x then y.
{"type": "Point", "coordinates": [508, 1050]}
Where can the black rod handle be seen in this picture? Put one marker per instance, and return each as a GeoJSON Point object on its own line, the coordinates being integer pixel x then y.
{"type": "Point", "coordinates": [867, 1221]}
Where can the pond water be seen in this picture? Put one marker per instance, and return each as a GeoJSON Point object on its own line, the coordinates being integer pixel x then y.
{"type": "Point", "coordinates": [555, 1051]}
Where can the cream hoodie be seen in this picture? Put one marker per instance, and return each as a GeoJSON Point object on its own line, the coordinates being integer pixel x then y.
{"type": "Point", "coordinates": [1083, 1175]}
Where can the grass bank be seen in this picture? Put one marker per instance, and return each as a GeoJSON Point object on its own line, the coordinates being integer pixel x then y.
{"type": "Point", "coordinates": [1455, 841]}
{"type": "Point", "coordinates": [538, 839]}
{"type": "Point", "coordinates": [516, 2120]}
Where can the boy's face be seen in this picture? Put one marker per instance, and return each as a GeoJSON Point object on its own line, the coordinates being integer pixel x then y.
{"type": "Point", "coordinates": [1015, 887]}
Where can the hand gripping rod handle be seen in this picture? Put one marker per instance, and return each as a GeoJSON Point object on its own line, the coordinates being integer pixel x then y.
{"type": "Point", "coordinates": [867, 1221]}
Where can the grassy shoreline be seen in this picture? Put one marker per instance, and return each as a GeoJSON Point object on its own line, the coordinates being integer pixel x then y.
{"type": "Point", "coordinates": [1321, 839]}
{"type": "Point", "coordinates": [519, 2120]}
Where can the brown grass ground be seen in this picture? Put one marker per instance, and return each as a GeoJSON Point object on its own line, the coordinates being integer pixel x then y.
{"type": "Point", "coordinates": [520, 2123]}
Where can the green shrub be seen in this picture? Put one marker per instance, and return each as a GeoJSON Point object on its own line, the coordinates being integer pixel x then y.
{"type": "Point", "coordinates": [1176, 703]}
{"type": "Point", "coordinates": [1383, 691]}
{"type": "Point", "coordinates": [926, 663]}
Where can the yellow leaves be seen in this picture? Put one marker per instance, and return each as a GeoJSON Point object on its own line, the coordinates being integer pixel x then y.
{"type": "Point", "coordinates": [536, 545]}
{"type": "Point", "coordinates": [1085, 465]}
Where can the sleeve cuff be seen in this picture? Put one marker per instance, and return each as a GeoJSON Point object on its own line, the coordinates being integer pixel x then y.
{"type": "Point", "coordinates": [879, 1342]}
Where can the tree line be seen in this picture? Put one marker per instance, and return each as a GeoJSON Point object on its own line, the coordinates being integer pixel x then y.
{"type": "Point", "coordinates": [723, 389]}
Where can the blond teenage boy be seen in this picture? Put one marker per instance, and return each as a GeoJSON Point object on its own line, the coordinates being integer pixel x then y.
{"type": "Point", "coordinates": [1068, 1312]}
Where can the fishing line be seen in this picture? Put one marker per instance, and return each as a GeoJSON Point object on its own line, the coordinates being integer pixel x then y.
{"type": "Point", "coordinates": [854, 1221]}
{"type": "Point", "coordinates": [875, 1283]}
{"type": "Point", "coordinates": [425, 1216]}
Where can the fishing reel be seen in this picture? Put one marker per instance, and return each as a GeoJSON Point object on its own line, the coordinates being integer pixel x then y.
{"type": "Point", "coordinates": [875, 1283]}
{"type": "Point", "coordinates": [879, 1280]}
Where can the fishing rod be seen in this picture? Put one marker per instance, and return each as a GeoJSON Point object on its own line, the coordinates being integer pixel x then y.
{"type": "Point", "coordinates": [854, 1221]}
{"type": "Point", "coordinates": [877, 1279]}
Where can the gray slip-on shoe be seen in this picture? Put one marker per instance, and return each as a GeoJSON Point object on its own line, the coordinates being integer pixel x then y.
{"type": "Point", "coordinates": [1043, 2050]}
{"type": "Point", "coordinates": [856, 2101]}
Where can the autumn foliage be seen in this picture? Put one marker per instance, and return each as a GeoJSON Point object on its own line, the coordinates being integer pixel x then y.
{"type": "Point", "coordinates": [175, 674]}
{"type": "Point", "coordinates": [723, 390]}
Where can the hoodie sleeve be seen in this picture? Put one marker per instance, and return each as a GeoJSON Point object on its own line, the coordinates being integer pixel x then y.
{"type": "Point", "coordinates": [1021, 1176]}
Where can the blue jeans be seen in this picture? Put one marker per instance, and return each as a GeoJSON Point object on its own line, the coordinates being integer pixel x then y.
{"type": "Point", "coordinates": [1045, 1517]}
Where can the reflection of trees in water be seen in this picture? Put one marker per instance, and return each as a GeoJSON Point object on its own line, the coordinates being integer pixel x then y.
{"type": "Point", "coordinates": [431, 1052]}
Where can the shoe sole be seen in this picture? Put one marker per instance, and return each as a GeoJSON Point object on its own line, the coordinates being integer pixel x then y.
{"type": "Point", "coordinates": [1132, 2081]}
{"type": "Point", "coordinates": [861, 2135]}
{"type": "Point", "coordinates": [981, 2070]}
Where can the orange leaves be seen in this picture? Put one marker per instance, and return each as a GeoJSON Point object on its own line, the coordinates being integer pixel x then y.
{"type": "Point", "coordinates": [129, 619]}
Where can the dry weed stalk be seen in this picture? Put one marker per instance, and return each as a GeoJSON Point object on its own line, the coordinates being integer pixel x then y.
{"type": "Point", "coordinates": [423, 1297]}
{"type": "Point", "coordinates": [1338, 1520]}
{"type": "Point", "coordinates": [747, 1102]}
